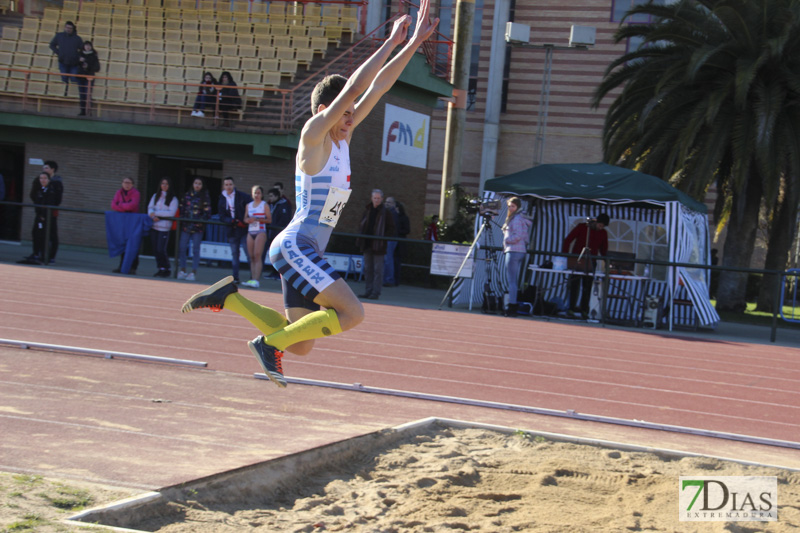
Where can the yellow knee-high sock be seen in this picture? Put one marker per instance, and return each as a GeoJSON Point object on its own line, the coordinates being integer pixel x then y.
{"type": "Point", "coordinates": [312, 326]}
{"type": "Point", "coordinates": [267, 320]}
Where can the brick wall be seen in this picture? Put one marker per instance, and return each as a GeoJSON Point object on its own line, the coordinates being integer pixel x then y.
{"type": "Point", "coordinates": [407, 184]}
{"type": "Point", "coordinates": [91, 177]}
{"type": "Point", "coordinates": [574, 129]}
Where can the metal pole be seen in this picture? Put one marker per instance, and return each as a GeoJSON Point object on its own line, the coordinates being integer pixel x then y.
{"type": "Point", "coordinates": [494, 92]}
{"type": "Point", "coordinates": [775, 306]}
{"type": "Point", "coordinates": [457, 111]}
{"type": "Point", "coordinates": [46, 251]}
{"type": "Point", "coordinates": [463, 263]}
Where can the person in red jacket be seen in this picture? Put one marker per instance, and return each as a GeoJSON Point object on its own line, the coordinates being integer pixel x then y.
{"type": "Point", "coordinates": [126, 200]}
{"type": "Point", "coordinates": [588, 239]}
{"type": "Point", "coordinates": [432, 231]}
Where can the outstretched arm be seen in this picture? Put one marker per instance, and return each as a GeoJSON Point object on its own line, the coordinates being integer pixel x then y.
{"type": "Point", "coordinates": [372, 77]}
{"type": "Point", "coordinates": [388, 75]}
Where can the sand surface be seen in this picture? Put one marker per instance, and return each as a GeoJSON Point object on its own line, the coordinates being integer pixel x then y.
{"type": "Point", "coordinates": [480, 480]}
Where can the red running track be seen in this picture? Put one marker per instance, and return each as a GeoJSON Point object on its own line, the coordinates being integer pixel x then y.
{"type": "Point", "coordinates": [711, 385]}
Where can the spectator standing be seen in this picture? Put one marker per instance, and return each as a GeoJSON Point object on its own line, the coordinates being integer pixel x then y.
{"type": "Point", "coordinates": [229, 99]}
{"type": "Point", "coordinates": [322, 179]}
{"type": "Point", "coordinates": [67, 45]}
{"type": "Point", "coordinates": [42, 194]}
{"type": "Point", "coordinates": [206, 95]}
{"type": "Point", "coordinates": [377, 221]}
{"type": "Point", "coordinates": [51, 168]}
{"type": "Point", "coordinates": [391, 246]}
{"type": "Point", "coordinates": [279, 185]}
{"type": "Point", "coordinates": [432, 231]}
{"type": "Point", "coordinates": [281, 212]}
{"type": "Point", "coordinates": [126, 200]}
{"type": "Point", "coordinates": [232, 210]}
{"type": "Point", "coordinates": [89, 66]}
{"type": "Point", "coordinates": [515, 245]}
{"type": "Point", "coordinates": [403, 229]}
{"type": "Point", "coordinates": [196, 205]}
{"type": "Point", "coordinates": [164, 203]}
{"type": "Point", "coordinates": [257, 217]}
{"type": "Point", "coordinates": [587, 238]}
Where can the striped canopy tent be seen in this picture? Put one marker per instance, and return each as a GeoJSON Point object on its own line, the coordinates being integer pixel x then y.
{"type": "Point", "coordinates": [662, 222]}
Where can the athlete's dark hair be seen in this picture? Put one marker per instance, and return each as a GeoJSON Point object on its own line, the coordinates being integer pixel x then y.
{"type": "Point", "coordinates": [326, 91]}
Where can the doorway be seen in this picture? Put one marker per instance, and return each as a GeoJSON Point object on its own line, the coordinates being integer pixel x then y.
{"type": "Point", "coordinates": [182, 173]}
{"type": "Point", "coordinates": [12, 169]}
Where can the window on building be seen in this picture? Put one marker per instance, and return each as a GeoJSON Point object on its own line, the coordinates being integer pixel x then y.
{"type": "Point", "coordinates": [620, 7]}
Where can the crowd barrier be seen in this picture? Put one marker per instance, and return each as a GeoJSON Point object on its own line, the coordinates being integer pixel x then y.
{"type": "Point", "coordinates": [784, 282]}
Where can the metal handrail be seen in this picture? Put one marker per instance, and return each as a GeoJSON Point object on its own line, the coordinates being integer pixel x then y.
{"type": "Point", "coordinates": [441, 63]}
{"type": "Point", "coordinates": [281, 124]}
{"type": "Point", "coordinates": [342, 64]}
{"type": "Point", "coordinates": [294, 102]}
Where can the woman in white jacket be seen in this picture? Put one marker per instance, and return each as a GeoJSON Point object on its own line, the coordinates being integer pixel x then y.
{"type": "Point", "coordinates": [164, 203]}
{"type": "Point", "coordinates": [515, 246]}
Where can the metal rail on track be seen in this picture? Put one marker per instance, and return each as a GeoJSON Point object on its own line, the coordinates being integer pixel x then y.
{"type": "Point", "coordinates": [572, 414]}
{"type": "Point", "coordinates": [108, 354]}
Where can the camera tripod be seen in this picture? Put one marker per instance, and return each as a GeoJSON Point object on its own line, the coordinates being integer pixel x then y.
{"type": "Point", "coordinates": [490, 256]}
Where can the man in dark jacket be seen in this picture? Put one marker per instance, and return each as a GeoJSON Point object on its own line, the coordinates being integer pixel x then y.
{"type": "Point", "coordinates": [376, 221]}
{"type": "Point", "coordinates": [56, 187]}
{"type": "Point", "coordinates": [279, 185]}
{"type": "Point", "coordinates": [281, 211]}
{"type": "Point", "coordinates": [42, 194]}
{"type": "Point", "coordinates": [67, 45]}
{"type": "Point", "coordinates": [231, 209]}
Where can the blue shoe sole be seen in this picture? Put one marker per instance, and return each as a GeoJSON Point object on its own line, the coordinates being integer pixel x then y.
{"type": "Point", "coordinates": [276, 378]}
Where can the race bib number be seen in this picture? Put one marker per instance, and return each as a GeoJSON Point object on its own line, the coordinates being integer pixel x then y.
{"type": "Point", "coordinates": [334, 203]}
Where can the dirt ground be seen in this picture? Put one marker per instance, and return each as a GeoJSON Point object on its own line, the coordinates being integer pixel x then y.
{"type": "Point", "coordinates": [35, 503]}
{"type": "Point", "coordinates": [450, 480]}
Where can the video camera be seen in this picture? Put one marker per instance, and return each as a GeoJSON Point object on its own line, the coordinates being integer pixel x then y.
{"type": "Point", "coordinates": [486, 208]}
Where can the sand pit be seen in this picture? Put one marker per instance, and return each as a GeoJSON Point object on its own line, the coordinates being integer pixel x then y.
{"type": "Point", "coordinates": [441, 478]}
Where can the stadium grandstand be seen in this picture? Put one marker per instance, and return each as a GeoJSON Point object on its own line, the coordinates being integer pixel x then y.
{"type": "Point", "coordinates": [153, 54]}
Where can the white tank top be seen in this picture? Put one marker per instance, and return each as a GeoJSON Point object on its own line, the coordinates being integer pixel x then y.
{"type": "Point", "coordinates": [321, 197]}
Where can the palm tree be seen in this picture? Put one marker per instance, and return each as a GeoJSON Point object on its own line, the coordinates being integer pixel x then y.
{"type": "Point", "coordinates": [713, 94]}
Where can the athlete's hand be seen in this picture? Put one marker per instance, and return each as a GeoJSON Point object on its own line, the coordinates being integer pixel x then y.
{"type": "Point", "coordinates": [400, 30]}
{"type": "Point", "coordinates": [425, 26]}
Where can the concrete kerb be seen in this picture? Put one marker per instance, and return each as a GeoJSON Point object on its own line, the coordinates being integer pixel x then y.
{"type": "Point", "coordinates": [263, 481]}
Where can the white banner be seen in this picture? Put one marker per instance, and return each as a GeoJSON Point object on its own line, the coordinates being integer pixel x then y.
{"type": "Point", "coordinates": [405, 137]}
{"type": "Point", "coordinates": [446, 259]}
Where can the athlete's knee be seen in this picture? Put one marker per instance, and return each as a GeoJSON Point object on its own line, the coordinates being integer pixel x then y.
{"type": "Point", "coordinates": [351, 316]}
